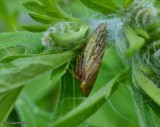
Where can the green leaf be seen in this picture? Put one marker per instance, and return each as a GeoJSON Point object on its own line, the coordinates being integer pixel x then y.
{"type": "Point", "coordinates": [11, 53]}
{"type": "Point", "coordinates": [18, 72]}
{"type": "Point", "coordinates": [43, 18]}
{"type": "Point", "coordinates": [49, 12]}
{"type": "Point", "coordinates": [147, 85]}
{"type": "Point", "coordinates": [103, 6]}
{"type": "Point", "coordinates": [30, 67]}
{"type": "Point", "coordinates": [127, 3]}
{"type": "Point", "coordinates": [37, 8]}
{"type": "Point", "coordinates": [4, 14]}
{"type": "Point", "coordinates": [58, 73]}
{"type": "Point", "coordinates": [50, 4]}
{"type": "Point", "coordinates": [135, 41]}
{"type": "Point", "coordinates": [90, 104]}
{"type": "Point", "coordinates": [153, 27]}
{"type": "Point", "coordinates": [73, 34]}
{"type": "Point", "coordinates": [34, 28]}
{"type": "Point", "coordinates": [31, 113]}
{"type": "Point", "coordinates": [30, 41]}
{"type": "Point", "coordinates": [7, 100]}
{"type": "Point", "coordinates": [155, 107]}
{"type": "Point", "coordinates": [154, 31]}
{"type": "Point", "coordinates": [8, 19]}
{"type": "Point", "coordinates": [51, 79]}
{"type": "Point", "coordinates": [70, 95]}
{"type": "Point", "coordinates": [41, 89]}
{"type": "Point", "coordinates": [142, 33]}
{"type": "Point", "coordinates": [145, 117]}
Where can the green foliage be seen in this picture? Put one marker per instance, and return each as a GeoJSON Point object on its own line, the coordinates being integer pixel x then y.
{"type": "Point", "coordinates": [8, 16]}
{"type": "Point", "coordinates": [65, 35]}
{"type": "Point", "coordinates": [27, 40]}
{"type": "Point", "coordinates": [127, 2]}
{"type": "Point", "coordinates": [58, 73]}
{"type": "Point", "coordinates": [70, 96]}
{"type": "Point", "coordinates": [148, 86]}
{"type": "Point", "coordinates": [69, 37]}
{"type": "Point", "coordinates": [135, 41]}
{"type": "Point", "coordinates": [46, 12]}
{"type": "Point", "coordinates": [43, 18]}
{"type": "Point", "coordinates": [19, 65]}
{"type": "Point", "coordinates": [37, 8]}
{"type": "Point", "coordinates": [27, 69]}
{"type": "Point", "coordinates": [91, 104]}
{"type": "Point", "coordinates": [106, 7]}
{"type": "Point", "coordinates": [36, 28]}
{"type": "Point", "coordinates": [7, 100]}
{"type": "Point", "coordinates": [153, 30]}
{"type": "Point", "coordinates": [31, 113]}
{"type": "Point", "coordinates": [38, 63]}
{"type": "Point", "coordinates": [142, 33]}
{"type": "Point", "coordinates": [144, 114]}
{"type": "Point", "coordinates": [103, 6]}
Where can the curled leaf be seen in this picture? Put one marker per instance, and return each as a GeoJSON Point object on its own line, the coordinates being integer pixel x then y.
{"type": "Point", "coordinates": [147, 85]}
{"type": "Point", "coordinates": [135, 41]}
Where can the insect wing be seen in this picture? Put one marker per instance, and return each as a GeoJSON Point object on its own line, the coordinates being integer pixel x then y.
{"type": "Point", "coordinates": [91, 58]}
{"type": "Point", "coordinates": [93, 53]}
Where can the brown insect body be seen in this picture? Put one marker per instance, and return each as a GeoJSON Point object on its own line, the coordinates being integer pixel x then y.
{"type": "Point", "coordinates": [90, 59]}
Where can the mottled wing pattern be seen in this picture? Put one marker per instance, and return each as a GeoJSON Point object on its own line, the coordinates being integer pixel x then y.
{"type": "Point", "coordinates": [94, 52]}
{"type": "Point", "coordinates": [91, 58]}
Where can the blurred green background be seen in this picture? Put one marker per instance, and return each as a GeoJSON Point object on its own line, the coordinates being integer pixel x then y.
{"type": "Point", "coordinates": [117, 112]}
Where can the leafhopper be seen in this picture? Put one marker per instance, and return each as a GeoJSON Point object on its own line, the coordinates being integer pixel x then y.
{"type": "Point", "coordinates": [91, 58]}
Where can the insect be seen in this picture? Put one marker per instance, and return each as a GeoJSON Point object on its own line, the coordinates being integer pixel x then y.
{"type": "Point", "coordinates": [91, 58]}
